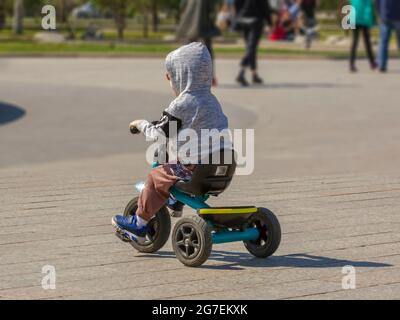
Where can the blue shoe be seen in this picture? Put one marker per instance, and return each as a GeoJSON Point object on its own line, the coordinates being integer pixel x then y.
{"type": "Point", "coordinates": [127, 226]}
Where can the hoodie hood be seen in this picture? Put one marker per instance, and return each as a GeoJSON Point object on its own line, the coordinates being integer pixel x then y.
{"type": "Point", "coordinates": [190, 68]}
{"type": "Point", "coordinates": [195, 108]}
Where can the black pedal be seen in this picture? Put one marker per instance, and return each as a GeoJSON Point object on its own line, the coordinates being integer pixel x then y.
{"type": "Point", "coordinates": [122, 237]}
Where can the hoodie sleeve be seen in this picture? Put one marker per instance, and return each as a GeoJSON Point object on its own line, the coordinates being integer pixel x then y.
{"type": "Point", "coordinates": [154, 130]}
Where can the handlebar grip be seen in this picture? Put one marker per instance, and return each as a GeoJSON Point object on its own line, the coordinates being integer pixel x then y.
{"type": "Point", "coordinates": [134, 130]}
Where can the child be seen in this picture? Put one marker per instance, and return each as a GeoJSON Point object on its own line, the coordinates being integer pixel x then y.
{"type": "Point", "coordinates": [190, 73]}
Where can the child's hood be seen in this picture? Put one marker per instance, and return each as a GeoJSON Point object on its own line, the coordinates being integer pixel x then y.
{"type": "Point", "coordinates": [190, 68]}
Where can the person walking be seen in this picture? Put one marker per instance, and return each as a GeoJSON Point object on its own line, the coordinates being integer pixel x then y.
{"type": "Point", "coordinates": [309, 21]}
{"type": "Point", "coordinates": [250, 18]}
{"type": "Point", "coordinates": [308, 8]}
{"type": "Point", "coordinates": [364, 21]}
{"type": "Point", "coordinates": [197, 24]}
{"type": "Point", "coordinates": [389, 12]}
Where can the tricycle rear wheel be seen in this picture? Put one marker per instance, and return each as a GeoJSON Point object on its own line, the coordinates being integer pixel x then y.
{"type": "Point", "coordinates": [159, 228]}
{"type": "Point", "coordinates": [270, 233]}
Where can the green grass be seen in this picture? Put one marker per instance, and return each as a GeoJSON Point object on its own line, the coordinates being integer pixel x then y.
{"type": "Point", "coordinates": [9, 48]}
{"type": "Point", "coordinates": [23, 45]}
{"type": "Point", "coordinates": [109, 34]}
{"type": "Point", "coordinates": [24, 48]}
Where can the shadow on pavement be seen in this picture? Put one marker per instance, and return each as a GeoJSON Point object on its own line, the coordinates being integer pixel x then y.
{"type": "Point", "coordinates": [9, 113]}
{"type": "Point", "coordinates": [237, 260]}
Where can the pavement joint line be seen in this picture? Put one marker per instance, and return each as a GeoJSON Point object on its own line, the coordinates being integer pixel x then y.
{"type": "Point", "coordinates": [38, 208]}
{"type": "Point", "coordinates": [358, 288]}
{"type": "Point", "coordinates": [59, 238]}
{"type": "Point", "coordinates": [368, 199]}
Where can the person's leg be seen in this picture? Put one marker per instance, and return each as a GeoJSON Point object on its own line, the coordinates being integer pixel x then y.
{"type": "Point", "coordinates": [368, 47]}
{"type": "Point", "coordinates": [255, 40]}
{"type": "Point", "coordinates": [353, 52]}
{"type": "Point", "coordinates": [397, 29]}
{"type": "Point", "coordinates": [245, 60]}
{"type": "Point", "coordinates": [385, 33]}
{"type": "Point", "coordinates": [208, 43]}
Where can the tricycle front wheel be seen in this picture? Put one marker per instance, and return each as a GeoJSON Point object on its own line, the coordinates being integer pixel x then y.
{"type": "Point", "coordinates": [159, 228]}
{"type": "Point", "coordinates": [191, 240]}
{"type": "Point", "coordinates": [270, 233]}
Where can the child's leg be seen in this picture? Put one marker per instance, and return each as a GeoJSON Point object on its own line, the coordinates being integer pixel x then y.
{"type": "Point", "coordinates": [156, 191]}
{"type": "Point", "coordinates": [151, 199]}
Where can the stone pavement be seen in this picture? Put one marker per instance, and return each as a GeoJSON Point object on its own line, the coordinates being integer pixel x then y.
{"type": "Point", "coordinates": [326, 163]}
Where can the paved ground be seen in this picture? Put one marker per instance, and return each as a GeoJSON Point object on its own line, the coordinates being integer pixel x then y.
{"type": "Point", "coordinates": [327, 155]}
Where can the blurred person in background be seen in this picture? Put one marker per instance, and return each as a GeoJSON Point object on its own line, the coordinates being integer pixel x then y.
{"type": "Point", "coordinates": [224, 17]}
{"type": "Point", "coordinates": [275, 5]}
{"type": "Point", "coordinates": [389, 12]}
{"type": "Point", "coordinates": [285, 22]}
{"type": "Point", "coordinates": [294, 9]}
{"type": "Point", "coordinates": [197, 23]}
{"type": "Point", "coordinates": [308, 8]}
{"type": "Point", "coordinates": [309, 21]}
{"type": "Point", "coordinates": [364, 21]}
{"type": "Point", "coordinates": [250, 18]}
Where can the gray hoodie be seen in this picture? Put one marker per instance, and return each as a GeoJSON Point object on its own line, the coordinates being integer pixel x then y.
{"type": "Point", "coordinates": [196, 108]}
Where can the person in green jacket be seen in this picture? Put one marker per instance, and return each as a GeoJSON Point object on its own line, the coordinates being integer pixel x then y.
{"type": "Point", "coordinates": [363, 18]}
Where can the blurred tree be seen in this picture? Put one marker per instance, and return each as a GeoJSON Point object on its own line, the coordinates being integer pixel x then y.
{"type": "Point", "coordinates": [33, 8]}
{"type": "Point", "coordinates": [329, 5]}
{"type": "Point", "coordinates": [18, 23]}
{"type": "Point", "coordinates": [144, 6]}
{"type": "Point", "coordinates": [2, 14]}
{"type": "Point", "coordinates": [169, 6]}
{"type": "Point", "coordinates": [172, 7]}
{"type": "Point", "coordinates": [119, 9]}
{"type": "Point", "coordinates": [64, 9]}
{"type": "Point", "coordinates": [154, 14]}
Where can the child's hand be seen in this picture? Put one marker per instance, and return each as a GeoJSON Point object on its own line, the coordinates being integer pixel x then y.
{"type": "Point", "coordinates": [133, 126]}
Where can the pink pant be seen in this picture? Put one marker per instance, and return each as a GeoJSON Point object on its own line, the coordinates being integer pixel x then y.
{"type": "Point", "coordinates": [157, 186]}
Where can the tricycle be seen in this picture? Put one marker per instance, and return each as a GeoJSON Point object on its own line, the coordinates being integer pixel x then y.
{"type": "Point", "coordinates": [193, 236]}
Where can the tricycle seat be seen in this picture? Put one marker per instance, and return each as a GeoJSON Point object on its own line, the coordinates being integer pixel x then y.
{"type": "Point", "coordinates": [212, 177]}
